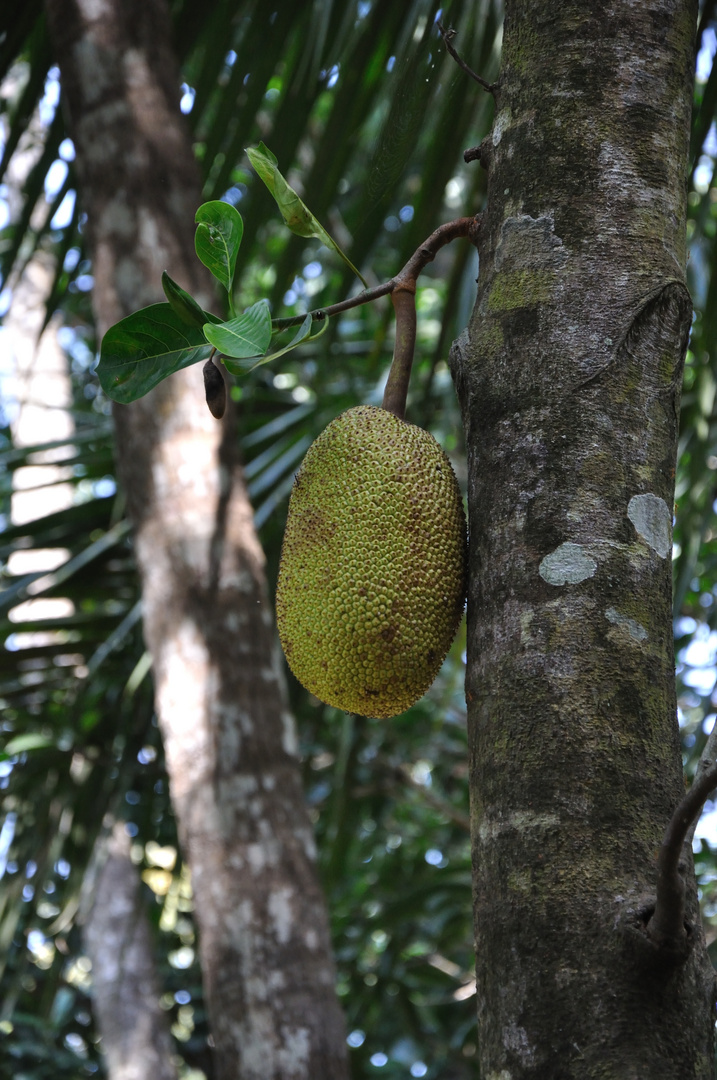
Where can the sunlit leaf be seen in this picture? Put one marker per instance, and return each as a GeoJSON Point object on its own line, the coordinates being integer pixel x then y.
{"type": "Point", "coordinates": [247, 335]}
{"type": "Point", "coordinates": [217, 239]}
{"type": "Point", "coordinates": [302, 334]}
{"type": "Point", "coordinates": [141, 350]}
{"type": "Point", "coordinates": [295, 213]}
{"type": "Point", "coordinates": [31, 740]}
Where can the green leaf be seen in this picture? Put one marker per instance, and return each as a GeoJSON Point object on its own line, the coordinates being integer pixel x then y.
{"type": "Point", "coordinates": [294, 211]}
{"type": "Point", "coordinates": [217, 239]}
{"type": "Point", "coordinates": [141, 350]}
{"type": "Point", "coordinates": [184, 305]}
{"type": "Point", "coordinates": [247, 335]}
{"type": "Point", "coordinates": [248, 364]}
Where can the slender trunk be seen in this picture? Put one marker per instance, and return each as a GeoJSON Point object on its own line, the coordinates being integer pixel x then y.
{"type": "Point", "coordinates": [229, 739]}
{"type": "Point", "coordinates": [569, 377]}
{"type": "Point", "coordinates": [125, 997]}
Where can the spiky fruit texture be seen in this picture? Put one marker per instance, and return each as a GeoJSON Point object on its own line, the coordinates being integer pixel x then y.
{"type": "Point", "coordinates": [373, 567]}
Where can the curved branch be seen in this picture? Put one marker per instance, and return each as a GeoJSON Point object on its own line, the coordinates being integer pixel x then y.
{"type": "Point", "coordinates": [451, 230]}
{"type": "Point", "coordinates": [667, 925]}
{"type": "Point", "coordinates": [402, 289]}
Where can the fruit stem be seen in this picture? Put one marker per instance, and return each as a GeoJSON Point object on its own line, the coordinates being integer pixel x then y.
{"type": "Point", "coordinates": [396, 391]}
{"type": "Point", "coordinates": [402, 289]}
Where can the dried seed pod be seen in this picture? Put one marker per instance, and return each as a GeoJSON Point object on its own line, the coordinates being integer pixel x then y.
{"type": "Point", "coordinates": [215, 389]}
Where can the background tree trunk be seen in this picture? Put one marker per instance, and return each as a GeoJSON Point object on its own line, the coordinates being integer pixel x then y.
{"type": "Point", "coordinates": [135, 1032]}
{"type": "Point", "coordinates": [570, 380]}
{"type": "Point", "coordinates": [230, 743]}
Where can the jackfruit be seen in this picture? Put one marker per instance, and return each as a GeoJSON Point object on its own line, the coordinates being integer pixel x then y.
{"type": "Point", "coordinates": [372, 577]}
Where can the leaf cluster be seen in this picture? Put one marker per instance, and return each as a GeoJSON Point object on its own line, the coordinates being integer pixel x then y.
{"type": "Point", "coordinates": [149, 345]}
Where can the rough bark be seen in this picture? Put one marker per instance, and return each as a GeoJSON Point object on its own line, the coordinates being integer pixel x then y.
{"type": "Point", "coordinates": [125, 997]}
{"type": "Point", "coordinates": [229, 739]}
{"type": "Point", "coordinates": [569, 378]}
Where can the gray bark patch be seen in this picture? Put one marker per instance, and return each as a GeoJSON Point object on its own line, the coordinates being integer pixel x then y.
{"type": "Point", "coordinates": [567, 565]}
{"type": "Point", "coordinates": [500, 124]}
{"type": "Point", "coordinates": [653, 521]}
{"type": "Point", "coordinates": [635, 629]}
{"type": "Point", "coordinates": [530, 243]}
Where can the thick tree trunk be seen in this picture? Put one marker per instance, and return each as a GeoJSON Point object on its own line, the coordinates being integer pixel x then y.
{"type": "Point", "coordinates": [229, 739]}
{"type": "Point", "coordinates": [125, 996]}
{"type": "Point", "coordinates": [570, 378]}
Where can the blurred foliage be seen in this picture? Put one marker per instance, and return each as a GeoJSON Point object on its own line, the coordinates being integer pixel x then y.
{"type": "Point", "coordinates": [368, 118]}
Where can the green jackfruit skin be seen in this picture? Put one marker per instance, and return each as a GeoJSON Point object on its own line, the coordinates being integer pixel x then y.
{"type": "Point", "coordinates": [372, 578]}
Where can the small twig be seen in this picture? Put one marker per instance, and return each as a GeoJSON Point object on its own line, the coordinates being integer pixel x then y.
{"type": "Point", "coordinates": [451, 230]}
{"type": "Point", "coordinates": [402, 774]}
{"type": "Point", "coordinates": [364, 297]}
{"type": "Point", "coordinates": [447, 35]}
{"type": "Point", "coordinates": [667, 925]}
